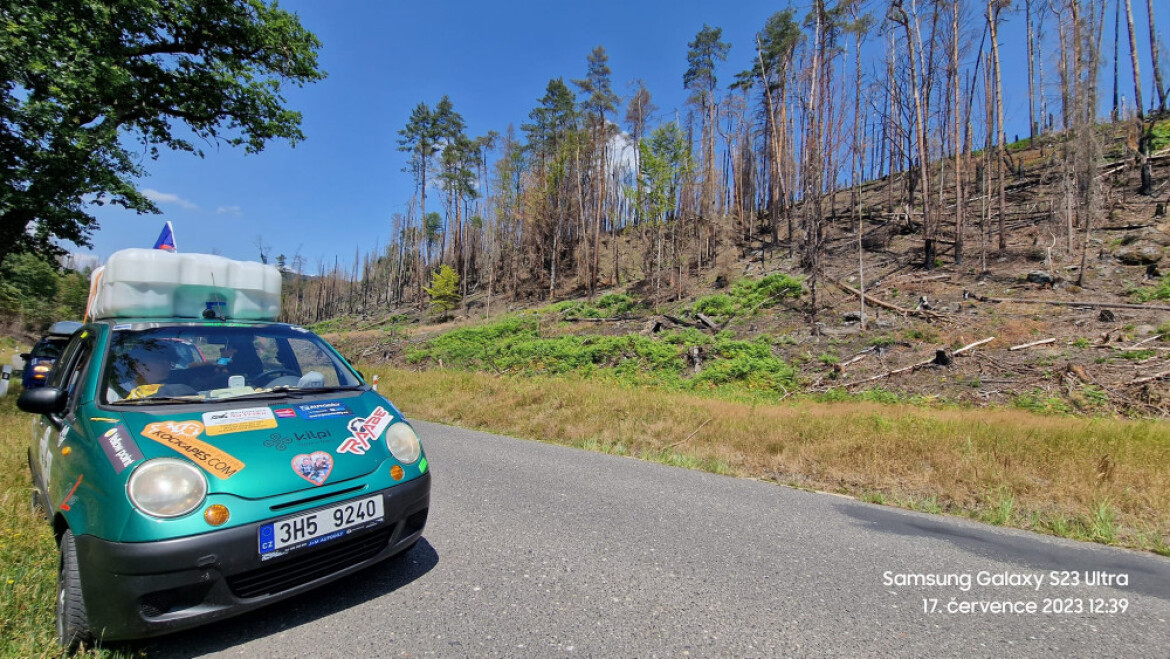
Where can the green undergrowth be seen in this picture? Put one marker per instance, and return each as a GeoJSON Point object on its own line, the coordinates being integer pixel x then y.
{"type": "Point", "coordinates": [748, 296]}
{"type": "Point", "coordinates": [517, 345]}
{"type": "Point", "coordinates": [1160, 291]}
{"type": "Point", "coordinates": [1160, 135]}
{"type": "Point", "coordinates": [606, 306]}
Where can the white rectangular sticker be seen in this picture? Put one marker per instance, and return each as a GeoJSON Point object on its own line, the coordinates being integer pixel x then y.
{"type": "Point", "coordinates": [229, 421]}
{"type": "Point", "coordinates": [283, 536]}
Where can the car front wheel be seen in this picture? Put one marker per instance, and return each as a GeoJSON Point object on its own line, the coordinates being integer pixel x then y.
{"type": "Point", "coordinates": [72, 621]}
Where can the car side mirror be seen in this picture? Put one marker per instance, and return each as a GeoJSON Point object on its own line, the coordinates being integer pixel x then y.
{"type": "Point", "coordinates": [42, 400]}
{"type": "Point", "coordinates": [24, 356]}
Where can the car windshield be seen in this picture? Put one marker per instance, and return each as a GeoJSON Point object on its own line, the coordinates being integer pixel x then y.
{"type": "Point", "coordinates": [196, 363]}
{"type": "Point", "coordinates": [50, 348]}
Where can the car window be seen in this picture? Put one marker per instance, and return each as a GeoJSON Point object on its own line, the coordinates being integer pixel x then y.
{"type": "Point", "coordinates": [215, 361]}
{"type": "Point", "coordinates": [58, 377]}
{"type": "Point", "coordinates": [50, 348]}
{"type": "Point", "coordinates": [74, 377]}
{"type": "Point", "coordinates": [311, 357]}
{"type": "Point", "coordinates": [71, 367]}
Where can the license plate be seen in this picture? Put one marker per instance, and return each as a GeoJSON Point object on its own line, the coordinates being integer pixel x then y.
{"type": "Point", "coordinates": [292, 533]}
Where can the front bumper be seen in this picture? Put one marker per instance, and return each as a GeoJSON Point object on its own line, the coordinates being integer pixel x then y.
{"type": "Point", "coordinates": [141, 589]}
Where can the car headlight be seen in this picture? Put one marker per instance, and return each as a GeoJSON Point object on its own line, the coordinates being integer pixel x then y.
{"type": "Point", "coordinates": [403, 443]}
{"type": "Point", "coordinates": [166, 487]}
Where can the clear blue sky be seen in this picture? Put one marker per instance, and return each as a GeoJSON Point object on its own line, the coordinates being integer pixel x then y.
{"type": "Point", "coordinates": [337, 191]}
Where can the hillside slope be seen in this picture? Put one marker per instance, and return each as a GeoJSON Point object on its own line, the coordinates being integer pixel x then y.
{"type": "Point", "coordinates": [1101, 347]}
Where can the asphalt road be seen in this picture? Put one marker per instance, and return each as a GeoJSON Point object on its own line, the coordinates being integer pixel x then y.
{"type": "Point", "coordinates": [535, 550]}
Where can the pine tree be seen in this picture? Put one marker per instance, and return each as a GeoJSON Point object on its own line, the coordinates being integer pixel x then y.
{"type": "Point", "coordinates": [705, 52]}
{"type": "Point", "coordinates": [444, 290]}
{"type": "Point", "coordinates": [599, 102]}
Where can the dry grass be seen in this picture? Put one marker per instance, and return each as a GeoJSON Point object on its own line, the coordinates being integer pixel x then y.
{"type": "Point", "coordinates": [1095, 479]}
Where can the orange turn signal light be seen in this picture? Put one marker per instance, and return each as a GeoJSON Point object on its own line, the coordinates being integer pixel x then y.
{"type": "Point", "coordinates": [216, 514]}
{"type": "Point", "coordinates": [396, 473]}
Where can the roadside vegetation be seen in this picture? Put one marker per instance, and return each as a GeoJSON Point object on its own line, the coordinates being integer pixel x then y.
{"type": "Point", "coordinates": [1096, 479]}
{"type": "Point", "coordinates": [34, 294]}
{"type": "Point", "coordinates": [27, 552]}
{"type": "Point", "coordinates": [520, 345]}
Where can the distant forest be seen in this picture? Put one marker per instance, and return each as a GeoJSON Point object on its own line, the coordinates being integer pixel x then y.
{"type": "Point", "coordinates": [821, 137]}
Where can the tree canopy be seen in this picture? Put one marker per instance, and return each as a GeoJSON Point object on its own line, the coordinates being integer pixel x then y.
{"type": "Point", "coordinates": [82, 81]}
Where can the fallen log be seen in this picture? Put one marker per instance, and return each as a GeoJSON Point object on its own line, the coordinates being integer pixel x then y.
{"type": "Point", "coordinates": [708, 322]}
{"type": "Point", "coordinates": [611, 319]}
{"type": "Point", "coordinates": [1151, 378]}
{"type": "Point", "coordinates": [1063, 303]}
{"type": "Point", "coordinates": [1142, 343]}
{"type": "Point", "coordinates": [1032, 344]}
{"type": "Point", "coordinates": [936, 359]}
{"type": "Point", "coordinates": [921, 313]}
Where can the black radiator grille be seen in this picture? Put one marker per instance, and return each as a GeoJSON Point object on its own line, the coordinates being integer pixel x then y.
{"type": "Point", "coordinates": [333, 557]}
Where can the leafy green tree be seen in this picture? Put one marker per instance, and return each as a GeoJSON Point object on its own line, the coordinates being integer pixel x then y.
{"type": "Point", "coordinates": [444, 290]}
{"type": "Point", "coordinates": [665, 160]}
{"type": "Point", "coordinates": [33, 292]}
{"type": "Point", "coordinates": [83, 80]}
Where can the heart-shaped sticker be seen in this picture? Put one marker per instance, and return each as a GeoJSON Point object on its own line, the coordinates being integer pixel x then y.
{"type": "Point", "coordinates": [313, 467]}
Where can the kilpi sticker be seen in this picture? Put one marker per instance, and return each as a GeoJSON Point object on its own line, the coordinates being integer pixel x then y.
{"type": "Point", "coordinates": [181, 435]}
{"type": "Point", "coordinates": [365, 431]}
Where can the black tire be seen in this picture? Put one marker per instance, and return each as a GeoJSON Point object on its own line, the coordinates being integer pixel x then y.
{"type": "Point", "coordinates": [72, 621]}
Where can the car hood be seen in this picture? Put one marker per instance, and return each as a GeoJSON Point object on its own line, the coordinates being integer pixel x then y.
{"type": "Point", "coordinates": [256, 449]}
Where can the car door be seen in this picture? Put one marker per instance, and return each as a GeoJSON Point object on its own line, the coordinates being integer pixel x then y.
{"type": "Point", "coordinates": [50, 431]}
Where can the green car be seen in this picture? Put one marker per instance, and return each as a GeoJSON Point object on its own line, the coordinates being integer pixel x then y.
{"type": "Point", "coordinates": [182, 492]}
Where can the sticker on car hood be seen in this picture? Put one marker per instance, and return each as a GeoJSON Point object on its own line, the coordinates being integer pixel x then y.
{"type": "Point", "coordinates": [181, 436]}
{"type": "Point", "coordinates": [313, 467]}
{"type": "Point", "coordinates": [120, 448]}
{"type": "Point", "coordinates": [229, 421]}
{"type": "Point", "coordinates": [323, 410]}
{"type": "Point", "coordinates": [365, 431]}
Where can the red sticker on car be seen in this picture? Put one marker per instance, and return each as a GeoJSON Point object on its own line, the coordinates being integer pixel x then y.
{"type": "Point", "coordinates": [365, 431]}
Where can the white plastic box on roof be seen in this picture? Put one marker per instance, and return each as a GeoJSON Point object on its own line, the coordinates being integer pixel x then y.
{"type": "Point", "coordinates": [153, 283]}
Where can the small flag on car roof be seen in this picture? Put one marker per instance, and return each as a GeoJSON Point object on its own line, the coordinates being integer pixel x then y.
{"type": "Point", "coordinates": [166, 239]}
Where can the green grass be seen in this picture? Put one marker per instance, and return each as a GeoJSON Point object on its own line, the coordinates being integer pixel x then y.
{"type": "Point", "coordinates": [1039, 403]}
{"type": "Point", "coordinates": [28, 552]}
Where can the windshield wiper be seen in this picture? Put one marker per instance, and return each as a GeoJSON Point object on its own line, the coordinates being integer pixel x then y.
{"type": "Point", "coordinates": [159, 400]}
{"type": "Point", "coordinates": [292, 392]}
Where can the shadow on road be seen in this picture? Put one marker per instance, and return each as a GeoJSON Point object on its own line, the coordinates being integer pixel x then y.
{"type": "Point", "coordinates": [307, 608]}
{"type": "Point", "coordinates": [1148, 574]}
